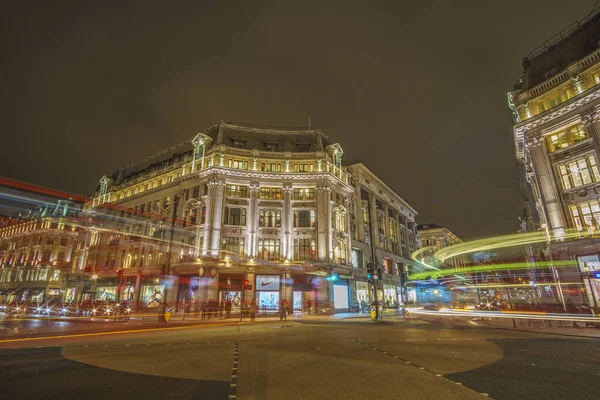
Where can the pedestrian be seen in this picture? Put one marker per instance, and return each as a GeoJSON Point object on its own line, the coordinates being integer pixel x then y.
{"type": "Point", "coordinates": [203, 307]}
{"type": "Point", "coordinates": [253, 309]}
{"type": "Point", "coordinates": [282, 310]}
{"type": "Point", "coordinates": [227, 308]}
{"type": "Point", "coordinates": [308, 305]}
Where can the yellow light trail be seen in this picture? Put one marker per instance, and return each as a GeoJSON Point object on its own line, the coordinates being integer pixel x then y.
{"type": "Point", "coordinates": [490, 267]}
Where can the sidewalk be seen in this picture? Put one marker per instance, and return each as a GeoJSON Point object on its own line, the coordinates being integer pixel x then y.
{"type": "Point", "coordinates": [546, 327]}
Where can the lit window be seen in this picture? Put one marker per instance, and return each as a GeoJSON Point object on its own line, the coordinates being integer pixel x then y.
{"type": "Point", "coordinates": [270, 193]}
{"type": "Point", "coordinates": [268, 249]}
{"type": "Point", "coordinates": [236, 191]}
{"type": "Point", "coordinates": [579, 172]}
{"type": "Point", "coordinates": [303, 194]}
{"type": "Point", "coordinates": [566, 138]}
{"type": "Point", "coordinates": [235, 216]}
{"type": "Point", "coordinates": [232, 246]}
{"type": "Point", "coordinates": [270, 167]}
{"type": "Point", "coordinates": [305, 249]}
{"type": "Point", "coordinates": [269, 218]}
{"type": "Point", "coordinates": [586, 215]}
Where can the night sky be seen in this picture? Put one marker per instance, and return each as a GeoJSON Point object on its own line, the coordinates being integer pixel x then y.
{"type": "Point", "coordinates": [416, 90]}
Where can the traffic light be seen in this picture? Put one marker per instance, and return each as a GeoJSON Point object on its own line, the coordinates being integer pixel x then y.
{"type": "Point", "coordinates": [370, 271]}
{"type": "Point", "coordinates": [246, 283]}
{"type": "Point", "coordinates": [333, 277]}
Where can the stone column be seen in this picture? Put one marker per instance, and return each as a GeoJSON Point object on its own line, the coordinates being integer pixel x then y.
{"type": "Point", "coordinates": [286, 223]}
{"type": "Point", "coordinates": [252, 221]}
{"type": "Point", "coordinates": [547, 185]}
{"type": "Point", "coordinates": [358, 214]}
{"type": "Point", "coordinates": [217, 216]}
{"type": "Point", "coordinates": [330, 204]}
{"type": "Point", "coordinates": [207, 222]}
{"type": "Point", "coordinates": [323, 221]}
{"type": "Point", "coordinates": [348, 202]}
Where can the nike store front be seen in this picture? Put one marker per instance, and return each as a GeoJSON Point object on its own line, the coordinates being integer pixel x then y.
{"type": "Point", "coordinates": [267, 292]}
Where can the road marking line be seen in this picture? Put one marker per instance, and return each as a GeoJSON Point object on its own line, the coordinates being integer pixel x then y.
{"type": "Point", "coordinates": [113, 333]}
{"type": "Point", "coordinates": [234, 372]}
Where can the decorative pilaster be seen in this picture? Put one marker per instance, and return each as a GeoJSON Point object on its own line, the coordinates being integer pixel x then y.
{"type": "Point", "coordinates": [217, 216]}
{"type": "Point", "coordinates": [323, 216]}
{"type": "Point", "coordinates": [252, 221]}
{"type": "Point", "coordinates": [547, 184]}
{"type": "Point", "coordinates": [348, 202]}
{"type": "Point", "coordinates": [286, 224]}
{"type": "Point", "coordinates": [207, 222]}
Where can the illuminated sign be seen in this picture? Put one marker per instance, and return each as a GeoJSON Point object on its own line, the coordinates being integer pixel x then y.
{"type": "Point", "coordinates": [267, 282]}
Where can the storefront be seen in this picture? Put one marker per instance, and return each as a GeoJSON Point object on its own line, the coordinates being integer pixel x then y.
{"type": "Point", "coordinates": [152, 295]}
{"type": "Point", "coordinates": [54, 294]}
{"type": "Point", "coordinates": [341, 298]}
{"type": "Point", "coordinates": [390, 296]}
{"type": "Point", "coordinates": [36, 295]}
{"type": "Point", "coordinates": [106, 289]}
{"type": "Point", "coordinates": [362, 292]}
{"type": "Point", "coordinates": [589, 267]}
{"type": "Point", "coordinates": [302, 291]}
{"type": "Point", "coordinates": [267, 290]}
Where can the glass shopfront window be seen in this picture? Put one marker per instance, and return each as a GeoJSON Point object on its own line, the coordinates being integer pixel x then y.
{"type": "Point", "coordinates": [390, 296]}
{"type": "Point", "coordinates": [106, 293]}
{"type": "Point", "coordinates": [152, 295]}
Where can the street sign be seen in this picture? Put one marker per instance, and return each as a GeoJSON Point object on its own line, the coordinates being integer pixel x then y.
{"type": "Point", "coordinates": [167, 314]}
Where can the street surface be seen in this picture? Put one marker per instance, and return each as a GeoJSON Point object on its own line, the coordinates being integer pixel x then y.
{"type": "Point", "coordinates": [307, 358]}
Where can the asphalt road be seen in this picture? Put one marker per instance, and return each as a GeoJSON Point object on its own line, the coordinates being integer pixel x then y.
{"type": "Point", "coordinates": [306, 359]}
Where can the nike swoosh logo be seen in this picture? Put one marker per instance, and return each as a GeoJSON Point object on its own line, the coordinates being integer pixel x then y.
{"type": "Point", "coordinates": [266, 283]}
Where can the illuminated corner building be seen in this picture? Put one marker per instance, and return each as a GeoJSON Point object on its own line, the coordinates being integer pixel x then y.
{"type": "Point", "coordinates": [234, 203]}
{"type": "Point", "coordinates": [40, 235]}
{"type": "Point", "coordinates": [394, 237]}
{"type": "Point", "coordinates": [434, 237]}
{"type": "Point", "coordinates": [556, 115]}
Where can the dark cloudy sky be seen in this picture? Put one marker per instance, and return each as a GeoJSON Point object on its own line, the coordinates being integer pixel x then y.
{"type": "Point", "coordinates": [416, 89]}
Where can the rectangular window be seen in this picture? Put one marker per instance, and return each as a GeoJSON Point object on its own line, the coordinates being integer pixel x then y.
{"type": "Point", "coordinates": [196, 192]}
{"type": "Point", "coordinates": [586, 215]}
{"type": "Point", "coordinates": [269, 218]}
{"type": "Point", "coordinates": [356, 258]}
{"type": "Point", "coordinates": [270, 193]}
{"type": "Point", "coordinates": [55, 275]}
{"type": "Point", "coordinates": [235, 216]}
{"type": "Point", "coordinates": [268, 249]}
{"type": "Point", "coordinates": [236, 191]}
{"type": "Point", "coordinates": [579, 172]}
{"type": "Point", "coordinates": [43, 274]}
{"type": "Point", "coordinates": [304, 218]}
{"type": "Point", "coordinates": [270, 167]}
{"type": "Point", "coordinates": [232, 246]}
{"type": "Point", "coordinates": [566, 138]}
{"type": "Point", "coordinates": [271, 146]}
{"type": "Point", "coordinates": [303, 194]}
{"type": "Point", "coordinates": [303, 168]}
{"type": "Point", "coordinates": [238, 164]}
{"type": "Point", "coordinates": [305, 249]}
